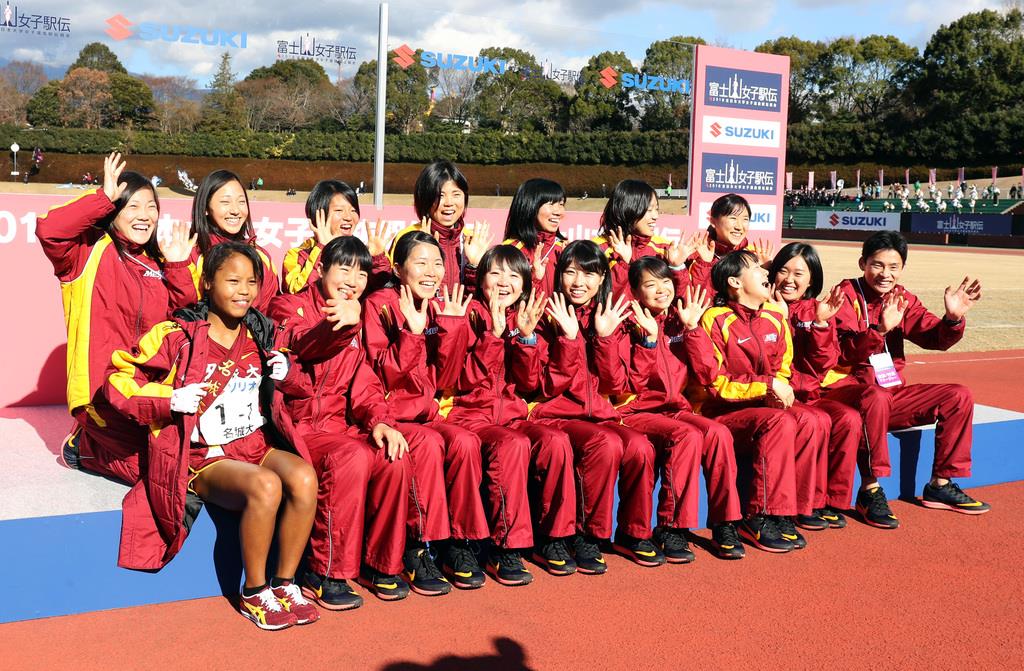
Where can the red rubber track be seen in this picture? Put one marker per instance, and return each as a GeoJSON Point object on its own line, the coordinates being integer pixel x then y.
{"type": "Point", "coordinates": [943, 591]}
{"type": "Point", "coordinates": [996, 378]}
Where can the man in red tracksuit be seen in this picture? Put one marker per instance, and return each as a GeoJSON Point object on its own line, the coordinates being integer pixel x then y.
{"type": "Point", "coordinates": [350, 432]}
{"type": "Point", "coordinates": [877, 314]}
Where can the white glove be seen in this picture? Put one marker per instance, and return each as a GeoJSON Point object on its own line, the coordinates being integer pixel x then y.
{"type": "Point", "coordinates": [186, 399]}
{"type": "Point", "coordinates": [279, 365]}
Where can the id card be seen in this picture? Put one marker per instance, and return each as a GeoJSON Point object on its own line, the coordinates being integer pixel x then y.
{"type": "Point", "coordinates": [885, 371]}
{"type": "Point", "coordinates": [234, 414]}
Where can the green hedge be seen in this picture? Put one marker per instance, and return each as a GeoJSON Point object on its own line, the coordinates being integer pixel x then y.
{"type": "Point", "coordinates": [484, 147]}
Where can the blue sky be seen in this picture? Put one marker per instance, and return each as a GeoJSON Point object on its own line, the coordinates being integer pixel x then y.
{"type": "Point", "coordinates": [565, 32]}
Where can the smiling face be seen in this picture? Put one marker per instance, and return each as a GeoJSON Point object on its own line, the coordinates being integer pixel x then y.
{"type": "Point", "coordinates": [645, 226]}
{"type": "Point", "coordinates": [341, 216]}
{"type": "Point", "coordinates": [549, 216]}
{"type": "Point", "coordinates": [422, 271]}
{"type": "Point", "coordinates": [793, 279]}
{"type": "Point", "coordinates": [450, 206]}
{"type": "Point", "coordinates": [751, 286]}
{"type": "Point", "coordinates": [732, 227]}
{"type": "Point", "coordinates": [136, 223]}
{"type": "Point", "coordinates": [234, 287]}
{"type": "Point", "coordinates": [882, 270]}
{"type": "Point", "coordinates": [228, 208]}
{"type": "Point", "coordinates": [655, 293]}
{"type": "Point", "coordinates": [579, 285]}
{"type": "Point", "coordinates": [503, 282]}
{"type": "Point", "coordinates": [343, 281]}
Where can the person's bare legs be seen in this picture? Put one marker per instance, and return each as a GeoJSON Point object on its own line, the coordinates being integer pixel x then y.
{"type": "Point", "coordinates": [298, 480]}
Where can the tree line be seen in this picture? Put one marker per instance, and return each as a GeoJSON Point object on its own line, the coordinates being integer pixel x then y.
{"type": "Point", "coordinates": [959, 100]}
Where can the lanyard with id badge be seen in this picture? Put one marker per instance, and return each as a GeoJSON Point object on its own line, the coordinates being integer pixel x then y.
{"type": "Point", "coordinates": [886, 374]}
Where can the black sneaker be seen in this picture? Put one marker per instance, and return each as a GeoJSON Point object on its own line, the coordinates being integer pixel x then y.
{"type": "Point", "coordinates": [727, 541]}
{"type": "Point", "coordinates": [835, 519]}
{"type": "Point", "coordinates": [69, 454]}
{"type": "Point", "coordinates": [874, 508]}
{"type": "Point", "coordinates": [587, 553]}
{"type": "Point", "coordinates": [382, 585]}
{"type": "Point", "coordinates": [640, 550]}
{"type": "Point", "coordinates": [673, 544]}
{"type": "Point", "coordinates": [329, 593]}
{"type": "Point", "coordinates": [554, 558]}
{"type": "Point", "coordinates": [422, 575]}
{"type": "Point", "coordinates": [460, 565]}
{"type": "Point", "coordinates": [507, 568]}
{"type": "Point", "coordinates": [812, 522]}
{"type": "Point", "coordinates": [950, 497]}
{"type": "Point", "coordinates": [789, 532]}
{"type": "Point", "coordinates": [761, 532]}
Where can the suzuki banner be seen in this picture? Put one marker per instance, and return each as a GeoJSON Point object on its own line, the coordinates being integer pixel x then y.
{"type": "Point", "coordinates": [740, 102]}
{"type": "Point", "coordinates": [858, 221]}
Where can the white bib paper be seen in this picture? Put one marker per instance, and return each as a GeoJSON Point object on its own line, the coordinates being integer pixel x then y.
{"type": "Point", "coordinates": [234, 414]}
{"type": "Point", "coordinates": [885, 371]}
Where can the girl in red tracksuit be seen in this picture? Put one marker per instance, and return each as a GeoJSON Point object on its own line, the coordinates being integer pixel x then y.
{"type": "Point", "coordinates": [579, 362]}
{"type": "Point", "coordinates": [332, 209]}
{"type": "Point", "coordinates": [730, 221]}
{"type": "Point", "coordinates": [532, 228]}
{"type": "Point", "coordinates": [519, 455]}
{"type": "Point", "coordinates": [441, 196]}
{"type": "Point", "coordinates": [797, 275]}
{"type": "Point", "coordinates": [349, 429]}
{"type": "Point", "coordinates": [220, 213]}
{"type": "Point", "coordinates": [662, 334]}
{"type": "Point", "coordinates": [204, 385]}
{"type": "Point", "coordinates": [104, 252]}
{"type": "Point", "coordinates": [627, 234]}
{"type": "Point", "coordinates": [747, 371]}
{"type": "Point", "coordinates": [417, 345]}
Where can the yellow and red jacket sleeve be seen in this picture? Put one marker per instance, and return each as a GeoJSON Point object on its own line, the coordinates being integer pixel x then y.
{"type": "Point", "coordinates": [66, 229]}
{"type": "Point", "coordinates": [727, 382]}
{"type": "Point", "coordinates": [141, 384]}
{"type": "Point", "coordinates": [299, 266]}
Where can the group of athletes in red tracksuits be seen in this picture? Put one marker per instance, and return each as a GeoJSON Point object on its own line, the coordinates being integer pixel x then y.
{"type": "Point", "coordinates": [421, 412]}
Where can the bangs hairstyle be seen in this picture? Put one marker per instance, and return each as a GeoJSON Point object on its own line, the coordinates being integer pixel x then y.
{"type": "Point", "coordinates": [509, 257]}
{"type": "Point", "coordinates": [408, 242]}
{"type": "Point", "coordinates": [346, 250]}
{"type": "Point", "coordinates": [730, 265]}
{"type": "Point", "coordinates": [655, 265]}
{"type": "Point", "coordinates": [323, 193]}
{"type": "Point", "coordinates": [730, 203]}
{"type": "Point", "coordinates": [202, 225]}
{"type": "Point", "coordinates": [427, 192]}
{"type": "Point", "coordinates": [810, 257]}
{"type": "Point", "coordinates": [219, 254]}
{"type": "Point", "coordinates": [531, 195]}
{"type": "Point", "coordinates": [883, 240]}
{"type": "Point", "coordinates": [134, 183]}
{"type": "Point", "coordinates": [587, 255]}
{"type": "Point", "coordinates": [628, 204]}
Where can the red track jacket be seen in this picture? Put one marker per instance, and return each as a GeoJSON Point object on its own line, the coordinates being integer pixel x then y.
{"type": "Point", "coordinates": [658, 376]}
{"type": "Point", "coordinates": [815, 349]}
{"type": "Point", "coordinates": [110, 301]}
{"type": "Point", "coordinates": [184, 277]}
{"type": "Point", "coordinates": [415, 369]}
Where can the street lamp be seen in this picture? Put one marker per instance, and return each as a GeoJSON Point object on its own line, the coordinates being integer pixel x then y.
{"type": "Point", "coordinates": [14, 150]}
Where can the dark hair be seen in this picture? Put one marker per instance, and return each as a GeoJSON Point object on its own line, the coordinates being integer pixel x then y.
{"type": "Point", "coordinates": [346, 250]}
{"type": "Point", "coordinates": [220, 253]}
{"type": "Point", "coordinates": [655, 265]}
{"type": "Point", "coordinates": [811, 258]}
{"type": "Point", "coordinates": [406, 243]}
{"type": "Point", "coordinates": [730, 265]}
{"type": "Point", "coordinates": [427, 192]}
{"type": "Point", "coordinates": [319, 199]}
{"type": "Point", "coordinates": [729, 203]}
{"type": "Point", "coordinates": [508, 256]}
{"type": "Point", "coordinates": [531, 195]}
{"type": "Point", "coordinates": [201, 224]}
{"type": "Point", "coordinates": [883, 240]}
{"type": "Point", "coordinates": [134, 182]}
{"type": "Point", "coordinates": [627, 205]}
{"type": "Point", "coordinates": [588, 256]}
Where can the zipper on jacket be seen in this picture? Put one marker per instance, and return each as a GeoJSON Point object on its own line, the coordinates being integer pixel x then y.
{"type": "Point", "coordinates": [762, 368]}
{"type": "Point", "coordinates": [138, 315]}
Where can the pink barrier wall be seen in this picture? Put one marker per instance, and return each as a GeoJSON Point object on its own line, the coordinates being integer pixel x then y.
{"type": "Point", "coordinates": [32, 358]}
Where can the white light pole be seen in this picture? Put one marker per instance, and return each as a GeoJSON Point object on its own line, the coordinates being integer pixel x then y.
{"type": "Point", "coordinates": [14, 150]}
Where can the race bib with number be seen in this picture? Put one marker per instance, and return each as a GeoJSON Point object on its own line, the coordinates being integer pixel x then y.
{"type": "Point", "coordinates": [885, 372]}
{"type": "Point", "coordinates": [234, 414]}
